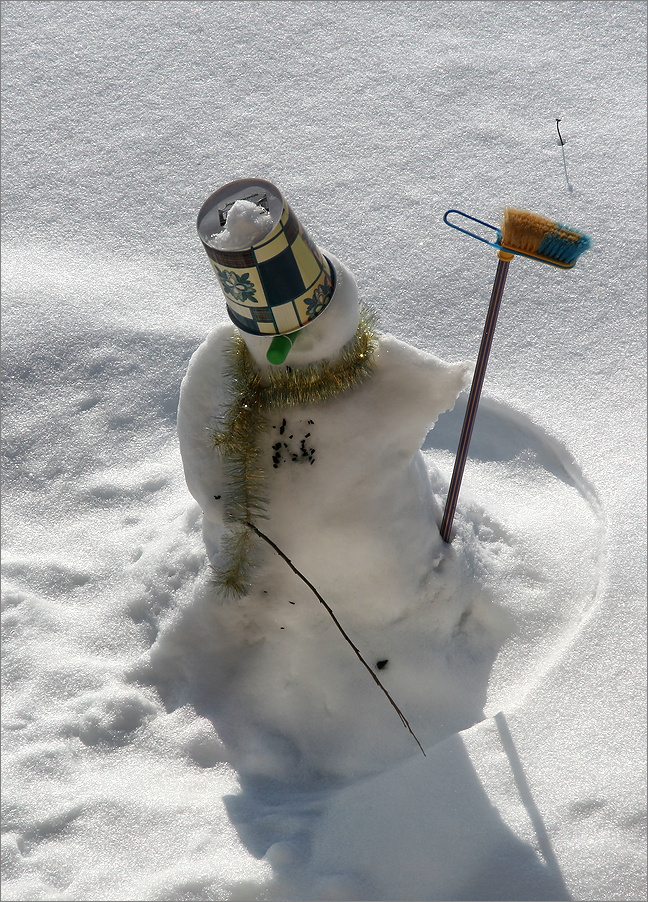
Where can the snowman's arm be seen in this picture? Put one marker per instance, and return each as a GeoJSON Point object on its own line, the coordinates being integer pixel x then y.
{"type": "Point", "coordinates": [202, 398]}
{"type": "Point", "coordinates": [414, 388]}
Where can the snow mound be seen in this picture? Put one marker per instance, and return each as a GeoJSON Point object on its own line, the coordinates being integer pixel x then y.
{"type": "Point", "coordinates": [284, 690]}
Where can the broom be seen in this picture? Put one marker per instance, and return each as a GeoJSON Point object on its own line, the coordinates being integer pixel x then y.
{"type": "Point", "coordinates": [527, 235]}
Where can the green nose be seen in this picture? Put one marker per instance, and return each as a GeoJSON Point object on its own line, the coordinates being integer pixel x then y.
{"type": "Point", "coordinates": [280, 348]}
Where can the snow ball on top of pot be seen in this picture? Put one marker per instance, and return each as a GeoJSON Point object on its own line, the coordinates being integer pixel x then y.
{"type": "Point", "coordinates": [247, 223]}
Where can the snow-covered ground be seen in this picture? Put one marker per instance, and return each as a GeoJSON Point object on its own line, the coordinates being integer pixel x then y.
{"type": "Point", "coordinates": [118, 120]}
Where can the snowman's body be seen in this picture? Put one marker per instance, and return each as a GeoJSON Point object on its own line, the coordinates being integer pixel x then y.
{"type": "Point", "coordinates": [344, 480]}
{"type": "Point", "coordinates": [348, 500]}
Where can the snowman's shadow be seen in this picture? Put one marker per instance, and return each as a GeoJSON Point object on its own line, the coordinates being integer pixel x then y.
{"type": "Point", "coordinates": [433, 815]}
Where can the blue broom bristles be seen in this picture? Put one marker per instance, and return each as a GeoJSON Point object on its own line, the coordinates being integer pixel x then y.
{"type": "Point", "coordinates": [566, 247]}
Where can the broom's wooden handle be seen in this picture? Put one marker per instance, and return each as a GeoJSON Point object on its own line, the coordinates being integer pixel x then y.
{"type": "Point", "coordinates": [475, 391]}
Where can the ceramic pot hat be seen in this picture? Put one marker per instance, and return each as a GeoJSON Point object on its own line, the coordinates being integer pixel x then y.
{"type": "Point", "coordinates": [281, 281]}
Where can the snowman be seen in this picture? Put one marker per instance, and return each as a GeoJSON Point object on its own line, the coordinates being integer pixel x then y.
{"type": "Point", "coordinates": [300, 418]}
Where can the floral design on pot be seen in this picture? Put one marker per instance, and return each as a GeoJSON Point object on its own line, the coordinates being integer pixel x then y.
{"type": "Point", "coordinates": [318, 301]}
{"type": "Point", "coordinates": [238, 287]}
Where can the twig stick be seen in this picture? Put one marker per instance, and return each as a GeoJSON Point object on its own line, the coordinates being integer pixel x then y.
{"type": "Point", "coordinates": [559, 135]}
{"type": "Point", "coordinates": [338, 624]}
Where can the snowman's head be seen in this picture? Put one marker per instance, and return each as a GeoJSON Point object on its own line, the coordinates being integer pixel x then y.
{"type": "Point", "coordinates": [276, 281]}
{"type": "Point", "coordinates": [325, 336]}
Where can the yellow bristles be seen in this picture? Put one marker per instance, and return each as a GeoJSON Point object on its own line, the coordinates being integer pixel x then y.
{"type": "Point", "coordinates": [524, 231]}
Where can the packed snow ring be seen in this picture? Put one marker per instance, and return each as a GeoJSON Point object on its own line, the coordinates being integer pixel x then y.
{"type": "Point", "coordinates": [523, 491]}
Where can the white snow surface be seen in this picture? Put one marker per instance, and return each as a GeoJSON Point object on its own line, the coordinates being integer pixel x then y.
{"type": "Point", "coordinates": [146, 753]}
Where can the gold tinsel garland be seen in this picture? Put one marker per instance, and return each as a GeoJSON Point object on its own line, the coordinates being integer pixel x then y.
{"type": "Point", "coordinates": [237, 439]}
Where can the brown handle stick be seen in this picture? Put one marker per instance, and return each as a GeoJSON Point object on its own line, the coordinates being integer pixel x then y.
{"type": "Point", "coordinates": [475, 392]}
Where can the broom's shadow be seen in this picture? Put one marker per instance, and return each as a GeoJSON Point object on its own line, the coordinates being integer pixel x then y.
{"type": "Point", "coordinates": [569, 184]}
{"type": "Point", "coordinates": [501, 434]}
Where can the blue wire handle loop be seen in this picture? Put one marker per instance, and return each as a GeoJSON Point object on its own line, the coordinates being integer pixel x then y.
{"type": "Point", "coordinates": [453, 225]}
